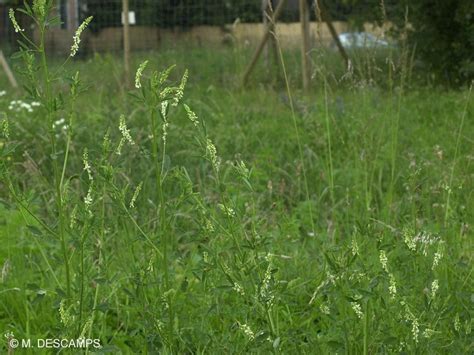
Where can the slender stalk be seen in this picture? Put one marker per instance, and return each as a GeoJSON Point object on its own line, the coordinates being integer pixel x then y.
{"type": "Point", "coordinates": [159, 174]}
{"type": "Point", "coordinates": [456, 151]}
{"type": "Point", "coordinates": [366, 328]}
{"type": "Point", "coordinates": [57, 178]}
{"type": "Point", "coordinates": [295, 125]}
{"type": "Point", "coordinates": [329, 147]}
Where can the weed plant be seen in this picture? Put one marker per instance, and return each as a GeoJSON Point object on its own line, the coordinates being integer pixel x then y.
{"type": "Point", "coordinates": [233, 221]}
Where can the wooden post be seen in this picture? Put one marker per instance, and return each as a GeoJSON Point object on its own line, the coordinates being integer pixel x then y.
{"type": "Point", "coordinates": [264, 40]}
{"type": "Point", "coordinates": [126, 42]}
{"type": "Point", "coordinates": [6, 68]}
{"type": "Point", "coordinates": [327, 18]}
{"type": "Point", "coordinates": [265, 16]}
{"type": "Point", "coordinates": [305, 44]}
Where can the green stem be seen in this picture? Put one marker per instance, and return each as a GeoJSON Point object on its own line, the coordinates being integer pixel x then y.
{"type": "Point", "coordinates": [295, 125]}
{"type": "Point", "coordinates": [329, 147]}
{"type": "Point", "coordinates": [57, 179]}
{"type": "Point", "coordinates": [456, 151]}
{"type": "Point", "coordinates": [366, 328]}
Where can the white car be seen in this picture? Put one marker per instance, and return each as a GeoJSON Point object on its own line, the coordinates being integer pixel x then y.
{"type": "Point", "coordinates": [353, 40]}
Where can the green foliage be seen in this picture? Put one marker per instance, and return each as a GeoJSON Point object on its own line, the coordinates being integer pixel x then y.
{"type": "Point", "coordinates": [188, 228]}
{"type": "Point", "coordinates": [443, 33]}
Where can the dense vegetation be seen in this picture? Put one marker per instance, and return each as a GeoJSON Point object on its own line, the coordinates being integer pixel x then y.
{"type": "Point", "coordinates": [189, 215]}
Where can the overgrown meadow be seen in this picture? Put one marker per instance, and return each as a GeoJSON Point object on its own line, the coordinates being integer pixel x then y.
{"type": "Point", "coordinates": [190, 215]}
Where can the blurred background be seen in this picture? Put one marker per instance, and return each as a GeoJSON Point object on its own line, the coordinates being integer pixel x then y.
{"type": "Point", "coordinates": [439, 36]}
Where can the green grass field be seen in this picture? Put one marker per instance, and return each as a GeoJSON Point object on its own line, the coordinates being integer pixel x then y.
{"type": "Point", "coordinates": [339, 221]}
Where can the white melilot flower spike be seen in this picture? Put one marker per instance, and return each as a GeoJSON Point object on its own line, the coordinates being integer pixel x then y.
{"type": "Point", "coordinates": [164, 109]}
{"type": "Point", "coordinates": [16, 26]}
{"type": "Point", "coordinates": [135, 195]}
{"type": "Point", "coordinates": [247, 331]}
{"type": "Point", "coordinates": [191, 115]}
{"type": "Point", "coordinates": [88, 200]}
{"type": "Point", "coordinates": [180, 91]}
{"type": "Point", "coordinates": [77, 36]}
{"type": "Point", "coordinates": [126, 137]}
{"type": "Point", "coordinates": [434, 288]}
{"type": "Point", "coordinates": [87, 166]}
{"type": "Point", "coordinates": [212, 154]}
{"type": "Point", "coordinates": [125, 131]}
{"type": "Point", "coordinates": [415, 330]}
{"type": "Point", "coordinates": [393, 286]}
{"type": "Point", "coordinates": [139, 73]}
{"type": "Point", "coordinates": [357, 309]}
{"type": "Point", "coordinates": [383, 260]}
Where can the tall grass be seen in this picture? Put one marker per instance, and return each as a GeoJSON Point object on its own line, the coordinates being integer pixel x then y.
{"type": "Point", "coordinates": [195, 217]}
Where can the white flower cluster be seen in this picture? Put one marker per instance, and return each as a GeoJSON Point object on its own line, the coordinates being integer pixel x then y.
{"type": "Point", "coordinates": [135, 195]}
{"type": "Point", "coordinates": [212, 154]}
{"type": "Point", "coordinates": [191, 115]}
{"type": "Point", "coordinates": [180, 91]}
{"type": "Point", "coordinates": [354, 246]}
{"type": "Point", "coordinates": [16, 26]}
{"type": "Point", "coordinates": [421, 241]}
{"type": "Point", "coordinates": [434, 288]}
{"type": "Point", "coordinates": [87, 167]}
{"type": "Point", "coordinates": [247, 331]}
{"type": "Point", "coordinates": [229, 211]}
{"type": "Point", "coordinates": [19, 105]}
{"type": "Point", "coordinates": [239, 289]}
{"type": "Point", "coordinates": [383, 260]}
{"type": "Point", "coordinates": [139, 73]}
{"type": "Point", "coordinates": [61, 124]}
{"type": "Point", "coordinates": [357, 309]}
{"type": "Point", "coordinates": [2, 93]}
{"type": "Point", "coordinates": [77, 36]}
{"type": "Point", "coordinates": [126, 137]}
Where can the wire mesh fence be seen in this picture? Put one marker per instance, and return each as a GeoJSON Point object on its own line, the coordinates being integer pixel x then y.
{"type": "Point", "coordinates": [157, 22]}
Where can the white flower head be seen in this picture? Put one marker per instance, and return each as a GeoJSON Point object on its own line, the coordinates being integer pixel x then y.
{"type": "Point", "coordinates": [139, 73]}
{"type": "Point", "coordinates": [135, 195]}
{"type": "Point", "coordinates": [247, 331]}
{"type": "Point", "coordinates": [191, 115]}
{"type": "Point", "coordinates": [357, 309]}
{"type": "Point", "coordinates": [239, 289]}
{"type": "Point", "coordinates": [180, 90]}
{"type": "Point", "coordinates": [415, 330]}
{"type": "Point", "coordinates": [354, 247]}
{"type": "Point", "coordinates": [392, 288]}
{"type": "Point", "coordinates": [164, 108]}
{"type": "Point", "coordinates": [16, 26]}
{"type": "Point", "coordinates": [212, 154]}
{"type": "Point", "coordinates": [434, 288]}
{"type": "Point", "coordinates": [77, 36]}
{"type": "Point", "coordinates": [87, 166]}
{"type": "Point", "coordinates": [126, 137]}
{"type": "Point", "coordinates": [88, 200]}
{"type": "Point", "coordinates": [383, 260]}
